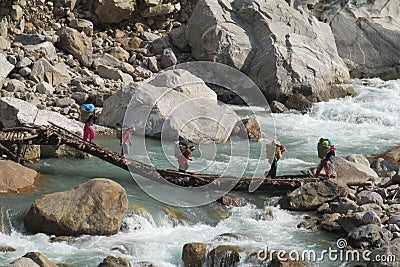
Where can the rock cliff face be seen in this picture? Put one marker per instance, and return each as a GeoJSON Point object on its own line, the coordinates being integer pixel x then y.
{"type": "Point", "coordinates": [283, 50]}
{"type": "Point", "coordinates": [366, 33]}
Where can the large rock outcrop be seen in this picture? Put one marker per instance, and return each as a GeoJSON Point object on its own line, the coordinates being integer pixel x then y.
{"type": "Point", "coordinates": [96, 207]}
{"type": "Point", "coordinates": [189, 110]}
{"type": "Point", "coordinates": [313, 195]}
{"type": "Point", "coordinates": [15, 112]}
{"type": "Point", "coordinates": [15, 178]}
{"type": "Point", "coordinates": [283, 50]}
{"type": "Point", "coordinates": [366, 33]}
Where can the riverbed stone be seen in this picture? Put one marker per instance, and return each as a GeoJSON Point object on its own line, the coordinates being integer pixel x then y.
{"type": "Point", "coordinates": [39, 259]}
{"type": "Point", "coordinates": [343, 205]}
{"type": "Point", "coordinates": [278, 107]}
{"type": "Point", "coordinates": [369, 236]}
{"type": "Point", "coordinates": [313, 195]}
{"type": "Point", "coordinates": [7, 248]}
{"type": "Point", "coordinates": [76, 43]}
{"type": "Point", "coordinates": [24, 262]}
{"type": "Point", "coordinates": [351, 221]}
{"type": "Point", "coordinates": [194, 254]}
{"type": "Point", "coordinates": [111, 261]}
{"type": "Point", "coordinates": [366, 197]}
{"type": "Point", "coordinates": [15, 178]}
{"type": "Point", "coordinates": [248, 128]}
{"type": "Point", "coordinates": [371, 207]}
{"type": "Point", "coordinates": [224, 255]}
{"type": "Point", "coordinates": [231, 200]}
{"type": "Point", "coordinates": [329, 222]}
{"type": "Point", "coordinates": [371, 217]}
{"type": "Point", "coordinates": [96, 207]}
{"type": "Point", "coordinates": [62, 151]}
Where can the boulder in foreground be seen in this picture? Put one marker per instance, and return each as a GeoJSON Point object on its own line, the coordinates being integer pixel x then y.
{"type": "Point", "coordinates": [96, 207]}
{"type": "Point", "coordinates": [312, 195]}
{"type": "Point", "coordinates": [15, 178]}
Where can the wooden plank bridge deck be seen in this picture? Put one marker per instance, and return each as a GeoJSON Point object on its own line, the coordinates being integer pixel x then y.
{"type": "Point", "coordinates": [56, 135]}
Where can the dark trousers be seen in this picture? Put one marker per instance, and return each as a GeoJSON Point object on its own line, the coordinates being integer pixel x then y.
{"type": "Point", "coordinates": [272, 171]}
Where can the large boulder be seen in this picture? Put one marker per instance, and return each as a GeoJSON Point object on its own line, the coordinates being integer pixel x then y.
{"type": "Point", "coordinates": [76, 43]}
{"type": "Point", "coordinates": [15, 112]}
{"type": "Point", "coordinates": [15, 178]}
{"type": "Point", "coordinates": [114, 107]}
{"type": "Point", "coordinates": [283, 50]}
{"type": "Point", "coordinates": [111, 11]}
{"type": "Point", "coordinates": [348, 172]}
{"type": "Point", "coordinates": [5, 68]}
{"type": "Point", "coordinates": [194, 254]}
{"type": "Point", "coordinates": [163, 112]}
{"type": "Point", "coordinates": [366, 34]}
{"type": "Point", "coordinates": [188, 109]}
{"type": "Point", "coordinates": [313, 195]}
{"type": "Point", "coordinates": [96, 207]}
{"type": "Point", "coordinates": [369, 236]}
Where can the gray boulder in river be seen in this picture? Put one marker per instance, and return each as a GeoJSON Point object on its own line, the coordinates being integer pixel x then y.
{"type": "Point", "coordinates": [283, 50]}
{"type": "Point", "coordinates": [187, 107]}
{"type": "Point", "coordinates": [96, 207]}
{"type": "Point", "coordinates": [367, 33]}
{"type": "Point", "coordinates": [311, 196]}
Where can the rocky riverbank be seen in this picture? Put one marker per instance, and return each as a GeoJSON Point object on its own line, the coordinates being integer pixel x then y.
{"type": "Point", "coordinates": [60, 54]}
